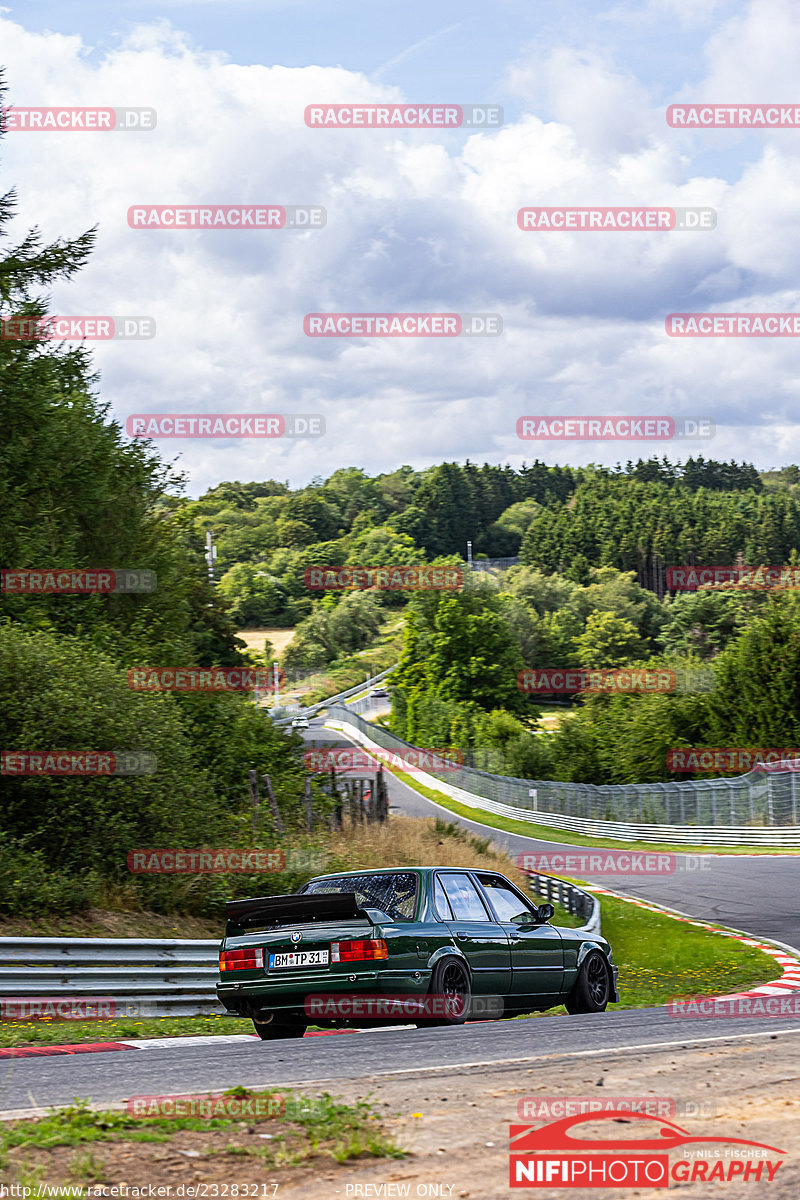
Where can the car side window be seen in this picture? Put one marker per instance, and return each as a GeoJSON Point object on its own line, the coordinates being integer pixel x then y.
{"type": "Point", "coordinates": [440, 901]}
{"type": "Point", "coordinates": [464, 898]}
{"type": "Point", "coordinates": [504, 900]}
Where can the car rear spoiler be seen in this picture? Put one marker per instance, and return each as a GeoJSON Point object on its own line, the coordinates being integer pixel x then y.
{"type": "Point", "coordinates": [289, 910]}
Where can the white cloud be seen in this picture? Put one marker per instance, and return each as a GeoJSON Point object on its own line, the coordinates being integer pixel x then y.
{"type": "Point", "coordinates": [416, 222]}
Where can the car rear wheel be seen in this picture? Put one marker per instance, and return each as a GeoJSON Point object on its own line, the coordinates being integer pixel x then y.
{"type": "Point", "coordinates": [592, 990]}
{"type": "Point", "coordinates": [450, 979]}
{"type": "Point", "coordinates": [270, 1030]}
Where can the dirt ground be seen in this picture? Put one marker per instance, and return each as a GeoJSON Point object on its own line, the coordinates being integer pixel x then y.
{"type": "Point", "coordinates": [455, 1125]}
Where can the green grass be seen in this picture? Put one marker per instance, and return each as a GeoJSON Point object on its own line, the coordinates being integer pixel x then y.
{"type": "Point", "coordinates": [44, 1032]}
{"type": "Point", "coordinates": [318, 1126]}
{"type": "Point", "coordinates": [660, 959]}
{"type": "Point", "coordinates": [547, 833]}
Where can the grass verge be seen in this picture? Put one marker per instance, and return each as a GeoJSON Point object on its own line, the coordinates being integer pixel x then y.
{"type": "Point", "coordinates": [55, 1149]}
{"type": "Point", "coordinates": [46, 1032]}
{"type": "Point", "coordinates": [657, 965]}
{"type": "Point", "coordinates": [660, 959]}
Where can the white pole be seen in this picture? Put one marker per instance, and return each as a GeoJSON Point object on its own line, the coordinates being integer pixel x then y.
{"type": "Point", "coordinates": [211, 554]}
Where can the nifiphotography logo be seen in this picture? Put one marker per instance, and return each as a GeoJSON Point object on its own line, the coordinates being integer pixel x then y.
{"type": "Point", "coordinates": [553, 1156]}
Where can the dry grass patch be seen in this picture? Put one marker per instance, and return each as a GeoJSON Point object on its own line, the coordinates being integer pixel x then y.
{"type": "Point", "coordinates": [109, 923]}
{"type": "Point", "coordinates": [255, 638]}
{"type": "Point", "coordinates": [417, 842]}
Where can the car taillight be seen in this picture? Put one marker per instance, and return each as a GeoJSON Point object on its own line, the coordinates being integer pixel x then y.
{"type": "Point", "coordinates": [359, 951]}
{"type": "Point", "coordinates": [241, 960]}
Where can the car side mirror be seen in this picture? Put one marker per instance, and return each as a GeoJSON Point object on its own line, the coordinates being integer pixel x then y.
{"type": "Point", "coordinates": [544, 912]}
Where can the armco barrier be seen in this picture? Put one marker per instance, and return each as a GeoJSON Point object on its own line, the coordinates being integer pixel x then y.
{"type": "Point", "coordinates": [353, 691]}
{"type": "Point", "coordinates": [757, 809]}
{"type": "Point", "coordinates": [147, 978]}
{"type": "Point", "coordinates": [573, 899]}
{"type": "Point", "coordinates": [165, 978]}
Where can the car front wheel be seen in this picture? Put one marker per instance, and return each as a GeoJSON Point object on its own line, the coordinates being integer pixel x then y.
{"type": "Point", "coordinates": [592, 990]}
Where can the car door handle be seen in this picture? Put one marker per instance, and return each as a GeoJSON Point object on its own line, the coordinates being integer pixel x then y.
{"type": "Point", "coordinates": [460, 933]}
{"type": "Point", "coordinates": [513, 935]}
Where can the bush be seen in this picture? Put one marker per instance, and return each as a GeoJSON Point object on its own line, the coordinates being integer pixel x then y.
{"type": "Point", "coordinates": [29, 886]}
{"type": "Point", "coordinates": [64, 836]}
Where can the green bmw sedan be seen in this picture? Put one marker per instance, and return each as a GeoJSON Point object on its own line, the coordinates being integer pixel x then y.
{"type": "Point", "coordinates": [424, 946]}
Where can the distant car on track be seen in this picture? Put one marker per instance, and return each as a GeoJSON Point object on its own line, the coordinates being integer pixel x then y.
{"type": "Point", "coordinates": [300, 723]}
{"type": "Point", "coordinates": [380, 694]}
{"type": "Point", "coordinates": [459, 937]}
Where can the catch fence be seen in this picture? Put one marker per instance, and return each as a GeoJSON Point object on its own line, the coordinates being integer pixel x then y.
{"type": "Point", "coordinates": [759, 808]}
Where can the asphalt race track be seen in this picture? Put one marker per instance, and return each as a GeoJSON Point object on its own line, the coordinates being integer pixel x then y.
{"type": "Point", "coordinates": [757, 894]}
{"type": "Point", "coordinates": [113, 1077]}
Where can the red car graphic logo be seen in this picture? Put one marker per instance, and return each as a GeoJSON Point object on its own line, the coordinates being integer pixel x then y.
{"type": "Point", "coordinates": [526, 1139]}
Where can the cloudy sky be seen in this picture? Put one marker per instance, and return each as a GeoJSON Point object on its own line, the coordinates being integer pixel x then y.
{"type": "Point", "coordinates": [422, 221]}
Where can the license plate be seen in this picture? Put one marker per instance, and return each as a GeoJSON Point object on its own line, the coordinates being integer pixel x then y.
{"type": "Point", "coordinates": [299, 958]}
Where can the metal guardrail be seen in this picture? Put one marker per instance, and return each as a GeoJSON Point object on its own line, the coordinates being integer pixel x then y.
{"type": "Point", "coordinates": [492, 564]}
{"type": "Point", "coordinates": [353, 691]}
{"type": "Point", "coordinates": [143, 978]}
{"type": "Point", "coordinates": [573, 899]}
{"type": "Point", "coordinates": [759, 808]}
{"type": "Point", "coordinates": [161, 977]}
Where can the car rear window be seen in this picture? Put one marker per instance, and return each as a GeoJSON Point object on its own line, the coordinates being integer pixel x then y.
{"type": "Point", "coordinates": [394, 894]}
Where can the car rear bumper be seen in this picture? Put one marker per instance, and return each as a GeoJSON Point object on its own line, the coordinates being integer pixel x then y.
{"type": "Point", "coordinates": [272, 995]}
